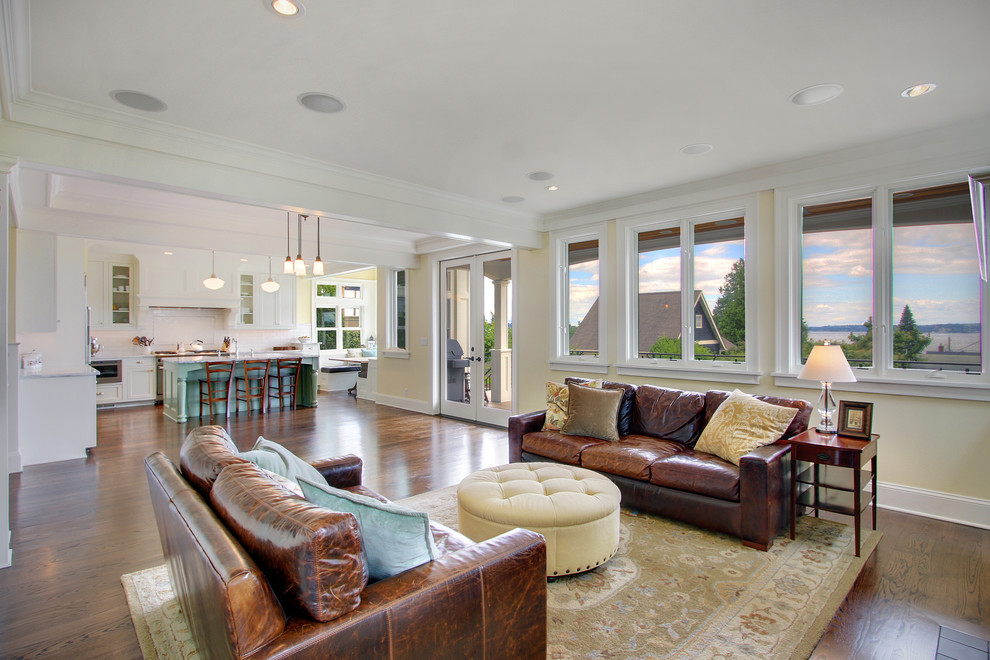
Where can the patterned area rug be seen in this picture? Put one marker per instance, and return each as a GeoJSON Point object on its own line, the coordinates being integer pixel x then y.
{"type": "Point", "coordinates": [671, 591]}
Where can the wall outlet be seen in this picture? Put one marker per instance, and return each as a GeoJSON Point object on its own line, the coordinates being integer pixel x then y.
{"type": "Point", "coordinates": [422, 341]}
{"type": "Point", "coordinates": [405, 392]}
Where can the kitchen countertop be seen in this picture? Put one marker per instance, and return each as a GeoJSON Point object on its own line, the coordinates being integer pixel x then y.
{"type": "Point", "coordinates": [58, 372]}
{"type": "Point", "coordinates": [240, 357]}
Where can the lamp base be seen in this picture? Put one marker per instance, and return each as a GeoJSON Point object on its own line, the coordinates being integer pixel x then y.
{"type": "Point", "coordinates": [830, 428]}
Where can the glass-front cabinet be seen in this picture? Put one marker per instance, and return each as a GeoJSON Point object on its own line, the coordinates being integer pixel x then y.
{"type": "Point", "coordinates": [110, 294]}
{"type": "Point", "coordinates": [121, 295]}
{"type": "Point", "coordinates": [246, 293]}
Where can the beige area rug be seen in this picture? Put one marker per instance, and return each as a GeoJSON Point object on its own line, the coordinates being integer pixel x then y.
{"type": "Point", "coordinates": [671, 591]}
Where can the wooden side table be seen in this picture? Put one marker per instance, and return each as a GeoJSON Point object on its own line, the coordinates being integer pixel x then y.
{"type": "Point", "coordinates": [823, 487]}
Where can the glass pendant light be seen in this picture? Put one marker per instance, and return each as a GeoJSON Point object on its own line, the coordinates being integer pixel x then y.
{"type": "Point", "coordinates": [300, 266]}
{"type": "Point", "coordinates": [213, 282]}
{"type": "Point", "coordinates": [318, 264]}
{"type": "Point", "coordinates": [287, 267]}
{"type": "Point", "coordinates": [269, 285]}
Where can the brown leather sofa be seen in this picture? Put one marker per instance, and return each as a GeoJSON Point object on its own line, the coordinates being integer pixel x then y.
{"type": "Point", "coordinates": [261, 573]}
{"type": "Point", "coordinates": [656, 468]}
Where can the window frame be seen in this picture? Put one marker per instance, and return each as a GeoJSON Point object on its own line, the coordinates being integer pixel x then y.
{"type": "Point", "coordinates": [686, 218]}
{"type": "Point", "coordinates": [339, 303]}
{"type": "Point", "coordinates": [561, 359]}
{"type": "Point", "coordinates": [391, 348]}
{"type": "Point", "coordinates": [882, 377]}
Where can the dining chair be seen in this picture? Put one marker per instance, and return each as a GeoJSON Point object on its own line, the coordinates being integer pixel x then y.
{"type": "Point", "coordinates": [251, 385]}
{"type": "Point", "coordinates": [215, 388]}
{"type": "Point", "coordinates": [283, 381]}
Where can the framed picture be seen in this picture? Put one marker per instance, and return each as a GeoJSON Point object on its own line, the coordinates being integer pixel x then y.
{"type": "Point", "coordinates": [855, 419]}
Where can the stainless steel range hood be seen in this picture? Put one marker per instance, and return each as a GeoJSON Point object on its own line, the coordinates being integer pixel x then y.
{"type": "Point", "coordinates": [979, 182]}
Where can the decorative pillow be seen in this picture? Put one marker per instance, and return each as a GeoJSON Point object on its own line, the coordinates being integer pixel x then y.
{"type": "Point", "coordinates": [592, 412]}
{"type": "Point", "coordinates": [557, 398]}
{"type": "Point", "coordinates": [741, 424]}
{"type": "Point", "coordinates": [395, 538]}
{"type": "Point", "coordinates": [292, 486]}
{"type": "Point", "coordinates": [291, 467]}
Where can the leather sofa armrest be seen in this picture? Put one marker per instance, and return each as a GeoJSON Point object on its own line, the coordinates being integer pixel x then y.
{"type": "Point", "coordinates": [520, 425]}
{"type": "Point", "coordinates": [487, 600]}
{"type": "Point", "coordinates": [764, 492]}
{"type": "Point", "coordinates": [340, 471]}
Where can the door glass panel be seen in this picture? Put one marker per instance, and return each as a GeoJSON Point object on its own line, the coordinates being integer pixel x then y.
{"type": "Point", "coordinates": [498, 333]}
{"type": "Point", "coordinates": [457, 334]}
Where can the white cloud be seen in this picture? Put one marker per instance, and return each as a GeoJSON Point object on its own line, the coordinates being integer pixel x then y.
{"type": "Point", "coordinates": [580, 300]}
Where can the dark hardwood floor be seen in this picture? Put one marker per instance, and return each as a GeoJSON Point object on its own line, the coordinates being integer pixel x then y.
{"type": "Point", "coordinates": [78, 525]}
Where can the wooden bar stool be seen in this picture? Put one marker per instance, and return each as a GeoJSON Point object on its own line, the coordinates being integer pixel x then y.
{"type": "Point", "coordinates": [283, 381]}
{"type": "Point", "coordinates": [251, 385]}
{"type": "Point", "coordinates": [216, 387]}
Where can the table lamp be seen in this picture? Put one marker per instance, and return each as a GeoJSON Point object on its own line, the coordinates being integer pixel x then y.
{"type": "Point", "coordinates": [827, 364]}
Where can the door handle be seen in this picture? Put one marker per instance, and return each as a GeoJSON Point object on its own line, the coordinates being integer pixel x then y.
{"type": "Point", "coordinates": [478, 359]}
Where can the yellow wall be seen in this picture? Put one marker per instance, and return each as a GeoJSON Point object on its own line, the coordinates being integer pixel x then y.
{"type": "Point", "coordinates": [399, 377]}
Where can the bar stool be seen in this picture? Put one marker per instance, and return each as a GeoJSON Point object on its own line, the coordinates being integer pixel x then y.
{"type": "Point", "coordinates": [251, 385]}
{"type": "Point", "coordinates": [284, 380]}
{"type": "Point", "coordinates": [216, 387]}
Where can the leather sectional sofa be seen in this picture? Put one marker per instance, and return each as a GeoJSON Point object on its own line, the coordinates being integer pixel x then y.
{"type": "Point", "coordinates": [657, 469]}
{"type": "Point", "coordinates": [475, 600]}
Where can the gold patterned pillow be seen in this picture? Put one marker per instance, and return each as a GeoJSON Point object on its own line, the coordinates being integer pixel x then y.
{"type": "Point", "coordinates": [557, 398]}
{"type": "Point", "coordinates": [741, 424]}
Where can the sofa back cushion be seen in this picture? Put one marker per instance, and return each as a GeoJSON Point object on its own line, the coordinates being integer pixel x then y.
{"type": "Point", "coordinates": [311, 556]}
{"type": "Point", "coordinates": [668, 414]}
{"type": "Point", "coordinates": [205, 452]}
{"type": "Point", "coordinates": [714, 398]}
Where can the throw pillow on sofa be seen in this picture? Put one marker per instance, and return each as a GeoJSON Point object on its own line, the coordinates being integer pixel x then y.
{"type": "Point", "coordinates": [741, 424]}
{"type": "Point", "coordinates": [592, 412]}
{"type": "Point", "coordinates": [557, 403]}
{"type": "Point", "coordinates": [291, 466]}
{"type": "Point", "coordinates": [394, 538]}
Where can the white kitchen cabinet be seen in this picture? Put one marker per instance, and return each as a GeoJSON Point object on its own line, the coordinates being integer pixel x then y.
{"type": "Point", "coordinates": [139, 379]}
{"type": "Point", "coordinates": [111, 393]}
{"type": "Point", "coordinates": [110, 294]}
{"type": "Point", "coordinates": [261, 310]}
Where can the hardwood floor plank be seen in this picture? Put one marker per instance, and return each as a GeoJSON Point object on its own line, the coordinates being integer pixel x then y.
{"type": "Point", "coordinates": [79, 525]}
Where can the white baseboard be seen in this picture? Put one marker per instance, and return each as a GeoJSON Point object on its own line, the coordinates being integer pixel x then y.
{"type": "Point", "coordinates": [934, 504]}
{"type": "Point", "coordinates": [405, 403]}
{"type": "Point", "coordinates": [7, 552]}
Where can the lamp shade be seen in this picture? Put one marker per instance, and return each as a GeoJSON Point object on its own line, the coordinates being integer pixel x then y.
{"type": "Point", "coordinates": [827, 364]}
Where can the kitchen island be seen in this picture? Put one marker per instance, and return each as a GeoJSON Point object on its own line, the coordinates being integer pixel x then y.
{"type": "Point", "coordinates": [181, 376]}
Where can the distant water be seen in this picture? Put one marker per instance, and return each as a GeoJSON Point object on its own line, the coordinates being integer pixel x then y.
{"type": "Point", "coordinates": [965, 342]}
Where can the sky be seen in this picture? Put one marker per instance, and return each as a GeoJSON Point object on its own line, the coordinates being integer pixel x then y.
{"type": "Point", "coordinates": [935, 272]}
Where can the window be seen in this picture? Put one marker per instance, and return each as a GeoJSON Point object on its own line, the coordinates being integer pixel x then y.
{"type": "Point", "coordinates": [685, 300]}
{"type": "Point", "coordinates": [338, 319]}
{"type": "Point", "coordinates": [891, 274]}
{"type": "Point", "coordinates": [397, 306]}
{"type": "Point", "coordinates": [579, 334]}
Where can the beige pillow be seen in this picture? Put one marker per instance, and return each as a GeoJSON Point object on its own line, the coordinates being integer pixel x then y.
{"type": "Point", "coordinates": [592, 412]}
{"type": "Point", "coordinates": [557, 404]}
{"type": "Point", "coordinates": [741, 424]}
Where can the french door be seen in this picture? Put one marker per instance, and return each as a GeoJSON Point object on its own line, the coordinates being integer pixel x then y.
{"type": "Point", "coordinates": [476, 338]}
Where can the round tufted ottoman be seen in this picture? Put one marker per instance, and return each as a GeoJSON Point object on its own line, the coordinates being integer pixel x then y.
{"type": "Point", "coordinates": [575, 509]}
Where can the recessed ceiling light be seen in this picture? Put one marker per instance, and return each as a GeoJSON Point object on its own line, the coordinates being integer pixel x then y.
{"type": "Point", "coordinates": [166, 252]}
{"type": "Point", "coordinates": [816, 94]}
{"type": "Point", "coordinates": [540, 176]}
{"type": "Point", "coordinates": [138, 100]}
{"type": "Point", "coordinates": [513, 199]}
{"type": "Point", "coordinates": [918, 90]}
{"type": "Point", "coordinates": [552, 188]}
{"type": "Point", "coordinates": [243, 259]}
{"type": "Point", "coordinates": [287, 8]}
{"type": "Point", "coordinates": [695, 149]}
{"type": "Point", "coordinates": [320, 102]}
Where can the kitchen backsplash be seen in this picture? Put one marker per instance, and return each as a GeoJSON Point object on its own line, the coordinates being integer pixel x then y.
{"type": "Point", "coordinates": [118, 343]}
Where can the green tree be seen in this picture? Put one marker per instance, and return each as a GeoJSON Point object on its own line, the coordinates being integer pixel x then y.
{"type": "Point", "coordinates": [730, 310]}
{"type": "Point", "coordinates": [671, 347]}
{"type": "Point", "coordinates": [909, 343]}
{"type": "Point", "coordinates": [490, 337]}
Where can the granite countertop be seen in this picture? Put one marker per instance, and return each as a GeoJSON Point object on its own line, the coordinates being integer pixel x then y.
{"type": "Point", "coordinates": [241, 357]}
{"type": "Point", "coordinates": [59, 372]}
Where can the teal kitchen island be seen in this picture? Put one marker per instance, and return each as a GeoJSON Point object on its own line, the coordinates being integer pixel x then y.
{"type": "Point", "coordinates": [181, 376]}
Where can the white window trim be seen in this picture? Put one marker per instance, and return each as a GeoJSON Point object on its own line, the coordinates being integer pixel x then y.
{"type": "Point", "coordinates": [627, 287]}
{"type": "Point", "coordinates": [881, 378]}
{"type": "Point", "coordinates": [390, 350]}
{"type": "Point", "coordinates": [561, 359]}
{"type": "Point", "coordinates": [339, 302]}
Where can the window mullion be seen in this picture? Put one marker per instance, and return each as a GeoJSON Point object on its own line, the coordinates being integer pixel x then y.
{"type": "Point", "coordinates": [687, 291]}
{"type": "Point", "coordinates": [883, 323]}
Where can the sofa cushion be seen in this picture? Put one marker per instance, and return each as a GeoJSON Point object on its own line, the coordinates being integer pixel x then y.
{"type": "Point", "coordinates": [714, 398]}
{"type": "Point", "coordinates": [592, 412]}
{"type": "Point", "coordinates": [668, 414]}
{"type": "Point", "coordinates": [630, 457]}
{"type": "Point", "coordinates": [294, 467]}
{"type": "Point", "coordinates": [205, 452]}
{"type": "Point", "coordinates": [311, 556]}
{"type": "Point", "coordinates": [558, 398]}
{"type": "Point", "coordinates": [697, 472]}
{"type": "Point", "coordinates": [558, 447]}
{"type": "Point", "coordinates": [394, 537]}
{"type": "Point", "coordinates": [741, 424]}
{"type": "Point", "coordinates": [624, 419]}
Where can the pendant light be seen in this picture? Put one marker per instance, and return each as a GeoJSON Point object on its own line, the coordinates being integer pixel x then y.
{"type": "Point", "coordinates": [287, 268]}
{"type": "Point", "coordinates": [213, 282]}
{"type": "Point", "coordinates": [269, 285]}
{"type": "Point", "coordinates": [318, 264]}
{"type": "Point", "coordinates": [300, 267]}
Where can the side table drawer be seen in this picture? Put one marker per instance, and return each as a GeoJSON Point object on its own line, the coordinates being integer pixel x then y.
{"type": "Point", "coordinates": [826, 455]}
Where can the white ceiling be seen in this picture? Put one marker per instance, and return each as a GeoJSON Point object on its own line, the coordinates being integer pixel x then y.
{"type": "Point", "coordinates": [468, 96]}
